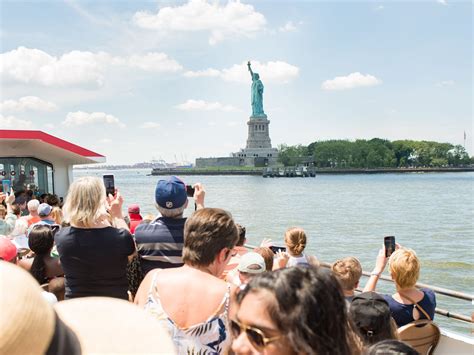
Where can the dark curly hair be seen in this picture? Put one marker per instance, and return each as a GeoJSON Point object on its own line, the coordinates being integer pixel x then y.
{"type": "Point", "coordinates": [40, 241]}
{"type": "Point", "coordinates": [309, 309]}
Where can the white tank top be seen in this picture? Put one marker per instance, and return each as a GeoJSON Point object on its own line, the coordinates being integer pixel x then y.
{"type": "Point", "coordinates": [297, 260]}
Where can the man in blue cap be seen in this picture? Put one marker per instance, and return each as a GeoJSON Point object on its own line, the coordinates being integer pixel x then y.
{"type": "Point", "coordinates": [160, 243]}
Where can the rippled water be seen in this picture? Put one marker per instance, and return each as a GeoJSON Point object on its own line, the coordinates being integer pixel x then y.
{"type": "Point", "coordinates": [349, 215]}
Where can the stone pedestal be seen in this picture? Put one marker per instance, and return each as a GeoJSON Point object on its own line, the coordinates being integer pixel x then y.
{"type": "Point", "coordinates": [258, 151]}
{"type": "Point", "coordinates": [258, 133]}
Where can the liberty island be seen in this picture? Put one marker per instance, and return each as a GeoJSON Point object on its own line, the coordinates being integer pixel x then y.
{"type": "Point", "coordinates": [258, 151]}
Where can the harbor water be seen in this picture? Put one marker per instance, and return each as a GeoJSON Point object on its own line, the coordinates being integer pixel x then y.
{"type": "Point", "coordinates": [343, 215]}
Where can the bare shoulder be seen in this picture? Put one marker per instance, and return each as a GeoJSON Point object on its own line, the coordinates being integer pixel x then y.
{"type": "Point", "coordinates": [313, 260]}
{"type": "Point", "coordinates": [25, 264]}
{"type": "Point", "coordinates": [142, 293]}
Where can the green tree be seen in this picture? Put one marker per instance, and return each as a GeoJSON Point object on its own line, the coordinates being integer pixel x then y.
{"type": "Point", "coordinates": [403, 151]}
{"type": "Point", "coordinates": [291, 155]}
{"type": "Point", "coordinates": [458, 156]}
{"type": "Point", "coordinates": [376, 153]}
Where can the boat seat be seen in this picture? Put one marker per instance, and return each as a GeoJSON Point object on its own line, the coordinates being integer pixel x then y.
{"type": "Point", "coordinates": [422, 334]}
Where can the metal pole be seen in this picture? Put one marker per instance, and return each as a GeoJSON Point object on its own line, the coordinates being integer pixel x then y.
{"type": "Point", "coordinates": [457, 316]}
{"type": "Point", "coordinates": [440, 290]}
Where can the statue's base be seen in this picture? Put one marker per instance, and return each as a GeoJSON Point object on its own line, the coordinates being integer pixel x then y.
{"type": "Point", "coordinates": [258, 133]}
{"type": "Point", "coordinates": [260, 117]}
{"type": "Point", "coordinates": [257, 157]}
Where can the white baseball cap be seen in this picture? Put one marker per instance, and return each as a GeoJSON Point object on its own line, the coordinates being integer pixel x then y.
{"type": "Point", "coordinates": [251, 263]}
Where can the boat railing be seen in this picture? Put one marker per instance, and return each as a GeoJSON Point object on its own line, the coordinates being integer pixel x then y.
{"type": "Point", "coordinates": [439, 290]}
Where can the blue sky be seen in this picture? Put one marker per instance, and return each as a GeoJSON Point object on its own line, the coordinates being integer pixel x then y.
{"type": "Point", "coordinates": [139, 80]}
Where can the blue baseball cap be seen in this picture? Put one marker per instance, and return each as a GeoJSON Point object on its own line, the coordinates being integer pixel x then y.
{"type": "Point", "coordinates": [44, 209]}
{"type": "Point", "coordinates": [171, 193]}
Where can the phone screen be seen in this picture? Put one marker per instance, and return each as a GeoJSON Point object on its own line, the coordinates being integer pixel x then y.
{"type": "Point", "coordinates": [6, 186]}
{"type": "Point", "coordinates": [109, 185]}
{"type": "Point", "coordinates": [275, 248]}
{"type": "Point", "coordinates": [389, 243]}
{"type": "Point", "coordinates": [189, 190]}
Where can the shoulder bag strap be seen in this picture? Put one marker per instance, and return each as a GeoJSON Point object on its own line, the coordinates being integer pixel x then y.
{"type": "Point", "coordinates": [417, 306]}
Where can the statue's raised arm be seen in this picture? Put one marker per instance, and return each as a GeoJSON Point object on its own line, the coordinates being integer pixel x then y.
{"type": "Point", "coordinates": [256, 94]}
{"type": "Point", "coordinates": [250, 69]}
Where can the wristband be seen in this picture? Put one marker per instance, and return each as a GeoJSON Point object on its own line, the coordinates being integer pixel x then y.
{"type": "Point", "coordinates": [375, 273]}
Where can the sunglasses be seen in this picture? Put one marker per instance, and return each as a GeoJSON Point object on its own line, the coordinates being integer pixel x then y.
{"type": "Point", "coordinates": [254, 335]}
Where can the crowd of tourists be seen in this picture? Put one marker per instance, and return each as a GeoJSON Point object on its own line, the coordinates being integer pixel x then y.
{"type": "Point", "coordinates": [83, 277]}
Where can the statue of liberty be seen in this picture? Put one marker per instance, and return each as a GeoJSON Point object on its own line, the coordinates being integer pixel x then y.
{"type": "Point", "coordinates": [257, 94]}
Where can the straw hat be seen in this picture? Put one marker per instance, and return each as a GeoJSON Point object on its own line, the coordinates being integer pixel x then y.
{"type": "Point", "coordinates": [99, 325]}
{"type": "Point", "coordinates": [27, 320]}
{"type": "Point", "coordinates": [107, 325]}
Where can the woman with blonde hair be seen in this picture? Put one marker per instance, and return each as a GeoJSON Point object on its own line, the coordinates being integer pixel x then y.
{"type": "Point", "coordinates": [94, 250]}
{"type": "Point", "coordinates": [295, 241]}
{"type": "Point", "coordinates": [408, 303]}
{"type": "Point", "coordinates": [57, 215]}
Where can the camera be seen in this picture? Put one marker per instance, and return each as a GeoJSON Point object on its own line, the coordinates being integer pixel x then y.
{"type": "Point", "coordinates": [190, 190]}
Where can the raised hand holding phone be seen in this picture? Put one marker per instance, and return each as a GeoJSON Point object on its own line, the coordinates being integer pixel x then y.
{"type": "Point", "coordinates": [277, 249]}
{"type": "Point", "coordinates": [282, 259]}
{"type": "Point", "coordinates": [6, 186]}
{"type": "Point", "coordinates": [389, 244]}
{"type": "Point", "coordinates": [115, 202]}
{"type": "Point", "coordinates": [109, 183]}
{"type": "Point", "coordinates": [199, 194]}
{"type": "Point", "coordinates": [190, 190]}
{"type": "Point", "coordinates": [11, 198]}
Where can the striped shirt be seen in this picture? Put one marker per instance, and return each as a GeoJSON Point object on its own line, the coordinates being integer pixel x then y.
{"type": "Point", "coordinates": [160, 243]}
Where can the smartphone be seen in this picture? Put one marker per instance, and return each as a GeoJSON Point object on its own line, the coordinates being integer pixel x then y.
{"type": "Point", "coordinates": [389, 243]}
{"type": "Point", "coordinates": [190, 190]}
{"type": "Point", "coordinates": [6, 186]}
{"type": "Point", "coordinates": [109, 185]}
{"type": "Point", "coordinates": [275, 248]}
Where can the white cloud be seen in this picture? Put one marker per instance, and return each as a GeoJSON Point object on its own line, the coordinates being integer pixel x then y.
{"type": "Point", "coordinates": [222, 21]}
{"type": "Point", "coordinates": [379, 8]}
{"type": "Point", "coordinates": [288, 27]}
{"type": "Point", "coordinates": [32, 103]}
{"type": "Point", "coordinates": [351, 81]}
{"type": "Point", "coordinates": [80, 118]}
{"type": "Point", "coordinates": [445, 83]}
{"type": "Point", "coordinates": [202, 73]}
{"type": "Point", "coordinates": [201, 105]}
{"type": "Point", "coordinates": [105, 140]}
{"type": "Point", "coordinates": [35, 66]}
{"type": "Point", "coordinates": [150, 124]}
{"type": "Point", "coordinates": [275, 72]}
{"type": "Point", "coordinates": [442, 2]}
{"type": "Point", "coordinates": [27, 65]}
{"type": "Point", "coordinates": [10, 122]}
{"type": "Point", "coordinates": [156, 62]}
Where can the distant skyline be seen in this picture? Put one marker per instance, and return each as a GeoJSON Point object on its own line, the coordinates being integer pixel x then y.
{"type": "Point", "coordinates": [137, 80]}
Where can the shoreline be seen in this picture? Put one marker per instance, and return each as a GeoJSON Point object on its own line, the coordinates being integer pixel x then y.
{"type": "Point", "coordinates": [328, 171]}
